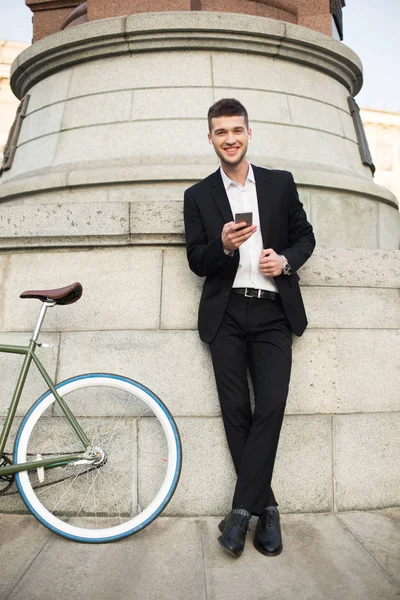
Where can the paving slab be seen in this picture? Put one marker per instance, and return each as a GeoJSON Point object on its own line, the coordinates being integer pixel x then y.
{"type": "Point", "coordinates": [326, 557]}
{"type": "Point", "coordinates": [379, 533]}
{"type": "Point", "coordinates": [22, 538]}
{"type": "Point", "coordinates": [320, 561]}
{"type": "Point", "coordinates": [160, 563]}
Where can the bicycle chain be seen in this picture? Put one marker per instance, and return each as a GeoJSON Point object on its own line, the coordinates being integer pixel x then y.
{"type": "Point", "coordinates": [5, 460]}
{"type": "Point", "coordinates": [8, 480]}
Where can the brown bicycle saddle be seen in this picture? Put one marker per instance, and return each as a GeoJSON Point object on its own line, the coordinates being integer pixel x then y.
{"type": "Point", "coordinates": [65, 295]}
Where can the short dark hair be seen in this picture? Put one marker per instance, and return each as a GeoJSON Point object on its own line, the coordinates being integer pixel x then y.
{"type": "Point", "coordinates": [227, 107]}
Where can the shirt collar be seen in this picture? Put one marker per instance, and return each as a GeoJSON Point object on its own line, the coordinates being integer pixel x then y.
{"type": "Point", "coordinates": [227, 181]}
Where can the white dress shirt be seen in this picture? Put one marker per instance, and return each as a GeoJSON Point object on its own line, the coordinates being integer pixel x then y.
{"type": "Point", "coordinates": [244, 199]}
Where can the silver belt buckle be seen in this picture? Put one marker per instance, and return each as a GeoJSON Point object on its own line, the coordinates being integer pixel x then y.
{"type": "Point", "coordinates": [246, 295]}
{"type": "Point", "coordinates": [258, 293]}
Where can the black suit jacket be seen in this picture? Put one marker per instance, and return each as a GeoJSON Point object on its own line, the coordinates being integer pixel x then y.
{"type": "Point", "coordinates": [284, 227]}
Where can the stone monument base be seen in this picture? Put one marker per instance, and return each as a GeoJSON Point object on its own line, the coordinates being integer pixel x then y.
{"type": "Point", "coordinates": [112, 136]}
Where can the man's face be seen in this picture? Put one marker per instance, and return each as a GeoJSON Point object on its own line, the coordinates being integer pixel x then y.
{"type": "Point", "coordinates": [230, 138]}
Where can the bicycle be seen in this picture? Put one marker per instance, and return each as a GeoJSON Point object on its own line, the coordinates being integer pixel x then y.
{"type": "Point", "coordinates": [89, 473]}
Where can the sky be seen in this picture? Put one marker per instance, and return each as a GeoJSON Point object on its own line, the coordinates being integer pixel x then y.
{"type": "Point", "coordinates": [371, 29]}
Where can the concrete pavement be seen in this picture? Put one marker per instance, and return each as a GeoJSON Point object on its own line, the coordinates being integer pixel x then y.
{"type": "Point", "coordinates": [345, 556]}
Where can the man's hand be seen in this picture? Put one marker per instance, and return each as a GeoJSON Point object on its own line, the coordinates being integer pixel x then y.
{"type": "Point", "coordinates": [270, 263]}
{"type": "Point", "coordinates": [235, 234]}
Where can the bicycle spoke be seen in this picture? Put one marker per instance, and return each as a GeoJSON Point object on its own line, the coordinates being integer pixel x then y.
{"type": "Point", "coordinates": [113, 494]}
{"type": "Point", "coordinates": [65, 492]}
{"type": "Point", "coordinates": [132, 459]}
{"type": "Point", "coordinates": [105, 440]}
{"type": "Point", "coordinates": [87, 494]}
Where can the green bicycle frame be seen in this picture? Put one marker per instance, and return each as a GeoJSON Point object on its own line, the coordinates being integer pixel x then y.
{"type": "Point", "coordinates": [30, 356]}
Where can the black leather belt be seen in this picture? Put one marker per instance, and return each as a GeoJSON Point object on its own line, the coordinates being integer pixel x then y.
{"type": "Point", "coordinates": [252, 293]}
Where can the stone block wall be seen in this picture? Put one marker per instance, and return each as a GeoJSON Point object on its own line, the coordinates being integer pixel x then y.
{"type": "Point", "coordinates": [137, 317]}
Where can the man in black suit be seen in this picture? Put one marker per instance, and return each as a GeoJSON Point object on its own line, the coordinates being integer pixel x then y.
{"type": "Point", "coordinates": [250, 304]}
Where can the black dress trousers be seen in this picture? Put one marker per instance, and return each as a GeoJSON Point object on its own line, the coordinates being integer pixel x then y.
{"type": "Point", "coordinates": [254, 333]}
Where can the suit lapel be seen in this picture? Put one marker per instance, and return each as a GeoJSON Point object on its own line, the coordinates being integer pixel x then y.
{"type": "Point", "coordinates": [220, 196]}
{"type": "Point", "coordinates": [262, 186]}
{"type": "Point", "coordinates": [261, 177]}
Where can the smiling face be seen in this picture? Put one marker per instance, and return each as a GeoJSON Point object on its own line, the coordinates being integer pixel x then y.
{"type": "Point", "coordinates": [230, 138]}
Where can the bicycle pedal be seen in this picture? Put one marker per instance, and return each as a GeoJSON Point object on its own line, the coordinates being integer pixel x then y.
{"type": "Point", "coordinates": [40, 470]}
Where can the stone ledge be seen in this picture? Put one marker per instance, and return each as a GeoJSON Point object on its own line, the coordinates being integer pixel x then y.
{"type": "Point", "coordinates": [352, 267]}
{"type": "Point", "coordinates": [161, 222]}
{"type": "Point", "coordinates": [185, 31]}
{"type": "Point", "coordinates": [60, 224]}
{"type": "Point", "coordinates": [104, 223]}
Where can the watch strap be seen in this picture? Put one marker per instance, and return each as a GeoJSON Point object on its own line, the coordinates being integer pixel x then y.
{"type": "Point", "coordinates": [286, 269]}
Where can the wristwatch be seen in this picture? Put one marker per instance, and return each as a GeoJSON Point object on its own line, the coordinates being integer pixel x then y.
{"type": "Point", "coordinates": [286, 269]}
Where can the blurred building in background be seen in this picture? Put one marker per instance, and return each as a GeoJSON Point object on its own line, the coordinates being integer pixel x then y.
{"type": "Point", "coordinates": [383, 132]}
{"type": "Point", "coordinates": [8, 102]}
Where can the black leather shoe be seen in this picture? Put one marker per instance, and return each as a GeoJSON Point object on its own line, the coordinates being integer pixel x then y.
{"type": "Point", "coordinates": [268, 538]}
{"type": "Point", "coordinates": [234, 529]}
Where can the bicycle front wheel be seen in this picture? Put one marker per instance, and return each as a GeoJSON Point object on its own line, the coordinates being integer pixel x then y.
{"type": "Point", "coordinates": [136, 477]}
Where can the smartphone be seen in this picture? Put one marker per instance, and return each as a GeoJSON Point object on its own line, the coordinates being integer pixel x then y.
{"type": "Point", "coordinates": [246, 217]}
